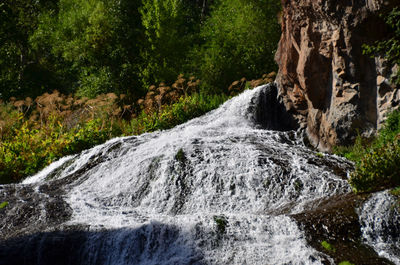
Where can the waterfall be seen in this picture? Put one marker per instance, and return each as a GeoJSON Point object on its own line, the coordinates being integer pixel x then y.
{"type": "Point", "coordinates": [380, 220]}
{"type": "Point", "coordinates": [219, 189]}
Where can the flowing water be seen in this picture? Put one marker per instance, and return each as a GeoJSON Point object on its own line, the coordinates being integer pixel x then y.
{"type": "Point", "coordinates": [219, 189]}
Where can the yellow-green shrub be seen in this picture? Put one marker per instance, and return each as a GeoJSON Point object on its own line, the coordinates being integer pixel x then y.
{"type": "Point", "coordinates": [29, 150]}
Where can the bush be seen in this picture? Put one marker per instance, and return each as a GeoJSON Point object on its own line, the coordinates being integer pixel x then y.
{"type": "Point", "coordinates": [169, 116]}
{"type": "Point", "coordinates": [356, 151]}
{"type": "Point", "coordinates": [378, 169]}
{"type": "Point", "coordinates": [30, 149]}
{"type": "Point", "coordinates": [391, 129]}
{"type": "Point", "coordinates": [377, 161]}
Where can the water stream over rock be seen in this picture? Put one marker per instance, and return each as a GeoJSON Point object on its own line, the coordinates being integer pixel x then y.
{"type": "Point", "coordinates": [226, 188]}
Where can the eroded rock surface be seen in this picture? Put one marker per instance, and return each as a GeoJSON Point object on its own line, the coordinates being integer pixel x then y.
{"type": "Point", "coordinates": [325, 81]}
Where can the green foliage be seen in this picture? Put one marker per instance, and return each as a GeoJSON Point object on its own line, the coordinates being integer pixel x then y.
{"type": "Point", "coordinates": [389, 47]}
{"type": "Point", "coordinates": [240, 40]}
{"type": "Point", "coordinates": [3, 205]}
{"type": "Point", "coordinates": [185, 109]}
{"type": "Point", "coordinates": [30, 149]}
{"type": "Point", "coordinates": [391, 128]}
{"type": "Point", "coordinates": [20, 66]}
{"type": "Point", "coordinates": [95, 82]}
{"type": "Point", "coordinates": [327, 246]}
{"type": "Point", "coordinates": [89, 47]}
{"type": "Point", "coordinates": [396, 191]}
{"type": "Point", "coordinates": [356, 151]}
{"type": "Point", "coordinates": [170, 31]}
{"type": "Point", "coordinates": [378, 169]}
{"type": "Point", "coordinates": [97, 43]}
{"type": "Point", "coordinates": [377, 160]}
{"type": "Point", "coordinates": [55, 127]}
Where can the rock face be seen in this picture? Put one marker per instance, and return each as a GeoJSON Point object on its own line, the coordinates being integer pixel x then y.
{"type": "Point", "coordinates": [331, 88]}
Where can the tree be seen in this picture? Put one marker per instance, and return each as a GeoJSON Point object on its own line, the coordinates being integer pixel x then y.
{"type": "Point", "coordinates": [99, 41]}
{"type": "Point", "coordinates": [20, 67]}
{"type": "Point", "coordinates": [240, 39]}
{"type": "Point", "coordinates": [171, 28]}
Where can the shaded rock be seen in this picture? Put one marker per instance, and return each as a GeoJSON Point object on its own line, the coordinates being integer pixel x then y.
{"type": "Point", "coordinates": [335, 221]}
{"type": "Point", "coordinates": [325, 81]}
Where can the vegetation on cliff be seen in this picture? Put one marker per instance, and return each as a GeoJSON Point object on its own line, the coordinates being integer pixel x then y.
{"type": "Point", "coordinates": [377, 160]}
{"type": "Point", "coordinates": [390, 46]}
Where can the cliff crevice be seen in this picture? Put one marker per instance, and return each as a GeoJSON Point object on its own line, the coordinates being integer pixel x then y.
{"type": "Point", "coordinates": [332, 89]}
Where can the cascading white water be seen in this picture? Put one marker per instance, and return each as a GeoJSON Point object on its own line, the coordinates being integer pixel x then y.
{"type": "Point", "coordinates": [216, 190]}
{"type": "Point", "coordinates": [380, 220]}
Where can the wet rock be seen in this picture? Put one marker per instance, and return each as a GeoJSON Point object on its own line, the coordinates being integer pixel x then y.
{"type": "Point", "coordinates": [29, 211]}
{"type": "Point", "coordinates": [335, 221]}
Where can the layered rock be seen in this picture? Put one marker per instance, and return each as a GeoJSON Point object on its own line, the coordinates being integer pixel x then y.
{"type": "Point", "coordinates": [324, 80]}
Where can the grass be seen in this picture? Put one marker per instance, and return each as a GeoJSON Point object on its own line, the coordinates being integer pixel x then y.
{"type": "Point", "coordinates": [396, 191]}
{"type": "Point", "coordinates": [184, 109]}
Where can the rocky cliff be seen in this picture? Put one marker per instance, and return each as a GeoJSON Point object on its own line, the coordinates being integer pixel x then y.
{"type": "Point", "coordinates": [331, 88]}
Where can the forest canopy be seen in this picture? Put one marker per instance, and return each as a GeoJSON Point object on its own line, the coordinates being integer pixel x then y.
{"type": "Point", "coordinates": [90, 47]}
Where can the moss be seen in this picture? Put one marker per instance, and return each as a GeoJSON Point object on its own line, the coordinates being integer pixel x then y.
{"type": "Point", "coordinates": [221, 223]}
{"type": "Point", "coordinates": [3, 205]}
{"type": "Point", "coordinates": [180, 156]}
{"type": "Point", "coordinates": [346, 263]}
{"type": "Point", "coordinates": [327, 246]}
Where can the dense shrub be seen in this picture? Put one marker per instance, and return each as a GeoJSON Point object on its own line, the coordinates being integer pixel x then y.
{"type": "Point", "coordinates": [356, 151]}
{"type": "Point", "coordinates": [29, 150]}
{"type": "Point", "coordinates": [377, 160]}
{"type": "Point", "coordinates": [171, 28]}
{"type": "Point", "coordinates": [378, 169]}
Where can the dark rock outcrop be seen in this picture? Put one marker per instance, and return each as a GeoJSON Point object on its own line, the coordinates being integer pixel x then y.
{"type": "Point", "coordinates": [335, 220]}
{"type": "Point", "coordinates": [331, 88]}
